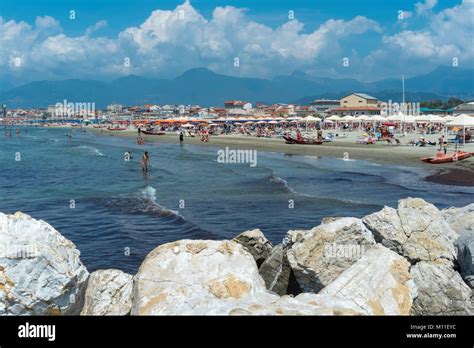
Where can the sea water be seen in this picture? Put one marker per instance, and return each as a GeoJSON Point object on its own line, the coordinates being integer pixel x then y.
{"type": "Point", "coordinates": [116, 214]}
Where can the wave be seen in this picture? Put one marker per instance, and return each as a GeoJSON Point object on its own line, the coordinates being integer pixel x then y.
{"type": "Point", "coordinates": [91, 150]}
{"type": "Point", "coordinates": [149, 194]}
{"type": "Point", "coordinates": [282, 183]}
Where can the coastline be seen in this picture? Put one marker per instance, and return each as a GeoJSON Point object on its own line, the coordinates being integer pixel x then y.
{"type": "Point", "coordinates": [458, 174]}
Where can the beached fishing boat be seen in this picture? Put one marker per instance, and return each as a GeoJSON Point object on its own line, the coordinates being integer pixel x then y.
{"type": "Point", "coordinates": [99, 126]}
{"type": "Point", "coordinates": [117, 129]}
{"type": "Point", "coordinates": [290, 140]}
{"type": "Point", "coordinates": [448, 158]}
{"type": "Point", "coordinates": [153, 133]}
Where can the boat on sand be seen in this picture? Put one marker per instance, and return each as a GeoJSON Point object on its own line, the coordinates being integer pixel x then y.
{"type": "Point", "coordinates": [447, 158]}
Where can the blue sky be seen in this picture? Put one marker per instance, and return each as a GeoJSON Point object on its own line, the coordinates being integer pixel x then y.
{"type": "Point", "coordinates": [40, 41]}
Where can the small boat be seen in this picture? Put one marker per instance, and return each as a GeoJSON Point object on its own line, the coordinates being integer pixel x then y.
{"type": "Point", "coordinates": [116, 129]}
{"type": "Point", "coordinates": [152, 133]}
{"type": "Point", "coordinates": [99, 126]}
{"type": "Point", "coordinates": [448, 158]}
{"type": "Point", "coordinates": [291, 140]}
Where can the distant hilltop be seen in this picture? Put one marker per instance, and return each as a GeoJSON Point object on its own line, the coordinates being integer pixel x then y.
{"type": "Point", "coordinates": [204, 87]}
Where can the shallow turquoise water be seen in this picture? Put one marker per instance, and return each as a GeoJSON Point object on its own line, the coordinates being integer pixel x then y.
{"type": "Point", "coordinates": [120, 214]}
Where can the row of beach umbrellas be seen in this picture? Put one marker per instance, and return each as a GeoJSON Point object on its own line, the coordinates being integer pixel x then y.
{"type": "Point", "coordinates": [461, 120]}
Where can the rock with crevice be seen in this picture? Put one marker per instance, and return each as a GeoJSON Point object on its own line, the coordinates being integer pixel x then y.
{"type": "Point", "coordinates": [379, 283]}
{"type": "Point", "coordinates": [256, 244]}
{"type": "Point", "coordinates": [462, 221]}
{"type": "Point", "coordinates": [40, 270]}
{"type": "Point", "coordinates": [416, 230]}
{"type": "Point", "coordinates": [441, 290]}
{"type": "Point", "coordinates": [109, 292]}
{"type": "Point", "coordinates": [275, 271]}
{"type": "Point", "coordinates": [320, 255]}
{"type": "Point", "coordinates": [203, 277]}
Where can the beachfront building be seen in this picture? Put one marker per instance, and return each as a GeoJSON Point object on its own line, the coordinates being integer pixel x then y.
{"type": "Point", "coordinates": [237, 104]}
{"type": "Point", "coordinates": [356, 111]}
{"type": "Point", "coordinates": [430, 111]}
{"type": "Point", "coordinates": [466, 108]}
{"type": "Point", "coordinates": [357, 104]}
{"type": "Point", "coordinates": [115, 108]}
{"type": "Point", "coordinates": [324, 105]}
{"type": "Point", "coordinates": [357, 100]}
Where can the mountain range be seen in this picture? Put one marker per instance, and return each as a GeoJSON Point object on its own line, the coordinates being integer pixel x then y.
{"type": "Point", "coordinates": [204, 87]}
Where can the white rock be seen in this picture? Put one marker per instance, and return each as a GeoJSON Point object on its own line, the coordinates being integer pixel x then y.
{"type": "Point", "coordinates": [379, 283]}
{"type": "Point", "coordinates": [109, 292]}
{"type": "Point", "coordinates": [40, 270]}
{"type": "Point", "coordinates": [462, 221]}
{"type": "Point", "coordinates": [319, 255]}
{"type": "Point", "coordinates": [441, 290]}
{"type": "Point", "coordinates": [213, 277]}
{"type": "Point", "coordinates": [416, 230]}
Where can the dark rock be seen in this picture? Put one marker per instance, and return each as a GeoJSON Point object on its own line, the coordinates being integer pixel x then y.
{"type": "Point", "coordinates": [255, 243]}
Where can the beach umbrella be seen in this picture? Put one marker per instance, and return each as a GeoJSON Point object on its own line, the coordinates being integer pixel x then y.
{"type": "Point", "coordinates": [262, 122]}
{"type": "Point", "coordinates": [378, 118]}
{"type": "Point", "coordinates": [273, 122]}
{"type": "Point", "coordinates": [328, 121]}
{"type": "Point", "coordinates": [334, 118]}
{"type": "Point", "coordinates": [464, 121]}
{"type": "Point", "coordinates": [449, 118]}
{"type": "Point", "coordinates": [348, 118]}
{"type": "Point", "coordinates": [312, 119]}
{"type": "Point", "coordinates": [430, 118]}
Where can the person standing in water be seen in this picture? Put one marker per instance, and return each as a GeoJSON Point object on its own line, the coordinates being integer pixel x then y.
{"type": "Point", "coordinates": [145, 161]}
{"type": "Point", "coordinates": [181, 138]}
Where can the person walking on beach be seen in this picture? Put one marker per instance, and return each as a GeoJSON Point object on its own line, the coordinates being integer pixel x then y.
{"type": "Point", "coordinates": [181, 138]}
{"type": "Point", "coordinates": [145, 161]}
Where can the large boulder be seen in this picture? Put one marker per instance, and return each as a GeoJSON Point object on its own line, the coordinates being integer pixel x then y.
{"type": "Point", "coordinates": [462, 221]}
{"type": "Point", "coordinates": [320, 255]}
{"type": "Point", "coordinates": [197, 277]}
{"type": "Point", "coordinates": [40, 270]}
{"type": "Point", "coordinates": [275, 271]}
{"type": "Point", "coordinates": [256, 244]}
{"type": "Point", "coordinates": [379, 283]}
{"type": "Point", "coordinates": [109, 292]}
{"type": "Point", "coordinates": [416, 230]}
{"type": "Point", "coordinates": [441, 290]}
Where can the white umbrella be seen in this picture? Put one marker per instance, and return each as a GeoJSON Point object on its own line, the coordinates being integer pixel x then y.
{"type": "Point", "coordinates": [334, 118]}
{"type": "Point", "coordinates": [464, 121]}
{"type": "Point", "coordinates": [312, 119]}
{"type": "Point", "coordinates": [449, 118]}
{"type": "Point", "coordinates": [378, 118]}
{"type": "Point", "coordinates": [430, 118]}
{"type": "Point", "coordinates": [273, 122]}
{"type": "Point", "coordinates": [348, 118]}
{"type": "Point", "coordinates": [328, 121]}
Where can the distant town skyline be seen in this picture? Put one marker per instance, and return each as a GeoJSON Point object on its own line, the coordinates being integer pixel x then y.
{"type": "Point", "coordinates": [366, 40]}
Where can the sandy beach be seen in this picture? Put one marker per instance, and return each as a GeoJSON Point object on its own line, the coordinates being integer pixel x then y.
{"type": "Point", "coordinates": [460, 173]}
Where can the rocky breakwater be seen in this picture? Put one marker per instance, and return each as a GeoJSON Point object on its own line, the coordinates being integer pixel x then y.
{"type": "Point", "coordinates": [393, 262]}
